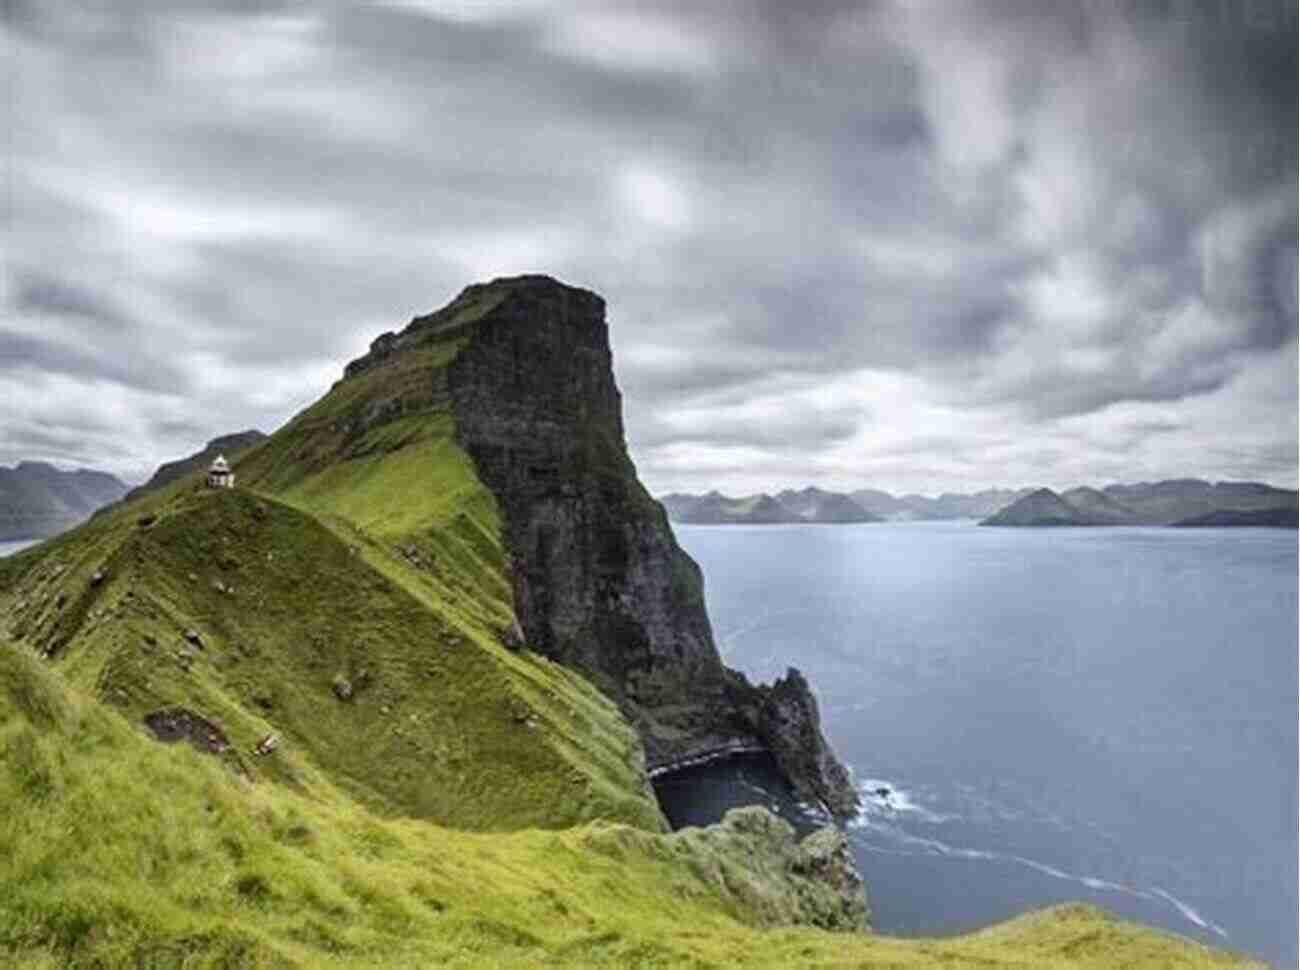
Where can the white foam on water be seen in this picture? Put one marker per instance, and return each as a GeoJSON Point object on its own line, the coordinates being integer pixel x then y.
{"type": "Point", "coordinates": [927, 846]}
{"type": "Point", "coordinates": [1190, 913]}
{"type": "Point", "coordinates": [899, 802]}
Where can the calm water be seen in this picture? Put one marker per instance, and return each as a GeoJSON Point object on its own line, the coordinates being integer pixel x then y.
{"type": "Point", "coordinates": [1103, 715]}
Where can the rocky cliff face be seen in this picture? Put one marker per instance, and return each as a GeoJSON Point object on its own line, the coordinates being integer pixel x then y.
{"type": "Point", "coordinates": [599, 581]}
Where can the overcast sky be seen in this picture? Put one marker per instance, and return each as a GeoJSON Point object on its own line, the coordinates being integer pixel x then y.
{"type": "Point", "coordinates": [906, 244]}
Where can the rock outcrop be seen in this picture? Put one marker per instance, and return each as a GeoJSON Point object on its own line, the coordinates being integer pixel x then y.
{"type": "Point", "coordinates": [599, 581]}
{"type": "Point", "coordinates": [790, 725]}
{"type": "Point", "coordinates": [756, 860]}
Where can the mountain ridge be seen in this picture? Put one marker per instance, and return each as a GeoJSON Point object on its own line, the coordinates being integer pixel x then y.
{"type": "Point", "coordinates": [38, 500]}
{"type": "Point", "coordinates": [1166, 502]}
{"type": "Point", "coordinates": [305, 722]}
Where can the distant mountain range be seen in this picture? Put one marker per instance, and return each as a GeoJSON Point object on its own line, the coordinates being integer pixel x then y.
{"type": "Point", "coordinates": [808, 505]}
{"type": "Point", "coordinates": [1181, 502]}
{"type": "Point", "coordinates": [38, 500]}
{"type": "Point", "coordinates": [1174, 502]}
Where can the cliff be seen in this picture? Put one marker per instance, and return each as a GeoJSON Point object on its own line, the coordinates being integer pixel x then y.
{"type": "Point", "coordinates": [292, 724]}
{"type": "Point", "coordinates": [599, 583]}
{"type": "Point", "coordinates": [39, 500]}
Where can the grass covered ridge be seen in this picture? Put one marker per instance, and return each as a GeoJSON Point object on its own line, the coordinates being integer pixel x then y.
{"type": "Point", "coordinates": [439, 721]}
{"type": "Point", "coordinates": [116, 851]}
{"type": "Point", "coordinates": [437, 799]}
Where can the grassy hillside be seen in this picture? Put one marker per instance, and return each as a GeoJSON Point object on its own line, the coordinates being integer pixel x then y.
{"type": "Point", "coordinates": [437, 720]}
{"type": "Point", "coordinates": [436, 799]}
{"type": "Point", "coordinates": [116, 851]}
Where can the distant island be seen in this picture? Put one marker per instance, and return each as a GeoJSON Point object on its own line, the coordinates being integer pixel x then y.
{"type": "Point", "coordinates": [808, 505]}
{"type": "Point", "coordinates": [1185, 502]}
{"type": "Point", "coordinates": [833, 508]}
{"type": "Point", "coordinates": [38, 500]}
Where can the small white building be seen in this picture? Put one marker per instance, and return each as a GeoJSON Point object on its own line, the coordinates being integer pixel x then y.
{"type": "Point", "coordinates": [220, 475]}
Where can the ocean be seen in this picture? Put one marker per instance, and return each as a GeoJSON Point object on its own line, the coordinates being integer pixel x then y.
{"type": "Point", "coordinates": [1105, 715]}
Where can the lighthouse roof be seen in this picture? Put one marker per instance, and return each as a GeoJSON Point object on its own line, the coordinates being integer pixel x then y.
{"type": "Point", "coordinates": [220, 465]}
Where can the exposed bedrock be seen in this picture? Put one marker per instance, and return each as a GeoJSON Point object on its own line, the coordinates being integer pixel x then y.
{"type": "Point", "coordinates": [600, 583]}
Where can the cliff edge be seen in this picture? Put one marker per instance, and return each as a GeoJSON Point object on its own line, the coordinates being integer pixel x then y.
{"type": "Point", "coordinates": [599, 582]}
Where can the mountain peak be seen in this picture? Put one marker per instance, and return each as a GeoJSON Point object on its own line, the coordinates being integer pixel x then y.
{"type": "Point", "coordinates": [530, 297]}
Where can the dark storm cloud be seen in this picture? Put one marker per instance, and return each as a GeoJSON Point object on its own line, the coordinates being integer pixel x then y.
{"type": "Point", "coordinates": [920, 244]}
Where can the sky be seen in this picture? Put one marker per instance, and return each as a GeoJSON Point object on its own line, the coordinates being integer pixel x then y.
{"type": "Point", "coordinates": [918, 245]}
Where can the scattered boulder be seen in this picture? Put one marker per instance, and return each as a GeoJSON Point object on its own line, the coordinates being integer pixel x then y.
{"type": "Point", "coordinates": [193, 636]}
{"type": "Point", "coordinates": [98, 578]}
{"type": "Point", "coordinates": [146, 521]}
{"type": "Point", "coordinates": [172, 724]}
{"type": "Point", "coordinates": [267, 745]}
{"type": "Point", "coordinates": [342, 688]}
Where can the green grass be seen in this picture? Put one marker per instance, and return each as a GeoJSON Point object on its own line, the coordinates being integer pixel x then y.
{"type": "Point", "coordinates": [116, 852]}
{"type": "Point", "coordinates": [466, 806]}
{"type": "Point", "coordinates": [444, 723]}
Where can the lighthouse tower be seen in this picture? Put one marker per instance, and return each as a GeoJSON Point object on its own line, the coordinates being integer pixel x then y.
{"type": "Point", "coordinates": [220, 475]}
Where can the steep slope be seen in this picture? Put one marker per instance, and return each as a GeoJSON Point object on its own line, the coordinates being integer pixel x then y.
{"type": "Point", "coordinates": [258, 619]}
{"type": "Point", "coordinates": [252, 728]}
{"type": "Point", "coordinates": [39, 500]}
{"type": "Point", "coordinates": [118, 853]}
{"type": "Point", "coordinates": [231, 445]}
{"type": "Point", "coordinates": [517, 375]}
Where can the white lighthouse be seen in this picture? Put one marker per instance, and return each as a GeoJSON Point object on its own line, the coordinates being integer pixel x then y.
{"type": "Point", "coordinates": [220, 475]}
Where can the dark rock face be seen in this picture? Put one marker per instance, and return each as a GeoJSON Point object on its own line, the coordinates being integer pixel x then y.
{"type": "Point", "coordinates": [599, 581]}
{"type": "Point", "coordinates": [790, 725]}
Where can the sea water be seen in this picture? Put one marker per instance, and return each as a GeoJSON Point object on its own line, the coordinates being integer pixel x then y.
{"type": "Point", "coordinates": [1106, 715]}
